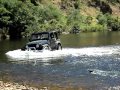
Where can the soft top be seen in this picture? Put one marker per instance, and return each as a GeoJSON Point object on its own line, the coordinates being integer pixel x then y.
{"type": "Point", "coordinates": [45, 32]}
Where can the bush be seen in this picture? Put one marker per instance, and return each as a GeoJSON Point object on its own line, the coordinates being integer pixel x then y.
{"type": "Point", "coordinates": [112, 23]}
{"type": "Point", "coordinates": [23, 16]}
{"type": "Point", "coordinates": [102, 19]}
{"type": "Point", "coordinates": [114, 1]}
{"type": "Point", "coordinates": [75, 19]}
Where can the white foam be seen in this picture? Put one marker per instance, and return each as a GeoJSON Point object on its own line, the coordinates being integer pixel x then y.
{"type": "Point", "coordinates": [105, 73]}
{"type": "Point", "coordinates": [92, 51]}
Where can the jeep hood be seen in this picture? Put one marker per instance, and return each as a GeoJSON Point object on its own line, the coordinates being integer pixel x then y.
{"type": "Point", "coordinates": [42, 42]}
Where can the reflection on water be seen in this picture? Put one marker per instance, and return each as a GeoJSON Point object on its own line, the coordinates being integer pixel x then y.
{"type": "Point", "coordinates": [94, 64]}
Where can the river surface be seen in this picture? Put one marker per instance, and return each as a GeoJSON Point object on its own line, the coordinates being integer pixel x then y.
{"type": "Point", "coordinates": [90, 60]}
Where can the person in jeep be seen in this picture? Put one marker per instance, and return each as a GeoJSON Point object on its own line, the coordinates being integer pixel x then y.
{"type": "Point", "coordinates": [43, 41]}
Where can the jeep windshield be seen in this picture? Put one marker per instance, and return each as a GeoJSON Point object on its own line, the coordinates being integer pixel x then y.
{"type": "Point", "coordinates": [39, 36]}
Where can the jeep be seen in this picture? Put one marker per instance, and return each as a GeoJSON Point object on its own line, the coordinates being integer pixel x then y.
{"type": "Point", "coordinates": [44, 41]}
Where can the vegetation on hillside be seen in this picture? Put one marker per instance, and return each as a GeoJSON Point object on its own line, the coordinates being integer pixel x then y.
{"type": "Point", "coordinates": [22, 17]}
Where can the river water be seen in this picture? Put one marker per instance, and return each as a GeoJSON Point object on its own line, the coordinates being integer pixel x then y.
{"type": "Point", "coordinates": [90, 60]}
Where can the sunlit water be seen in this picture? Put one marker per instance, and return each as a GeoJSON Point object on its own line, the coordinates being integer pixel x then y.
{"type": "Point", "coordinates": [94, 67]}
{"type": "Point", "coordinates": [90, 60]}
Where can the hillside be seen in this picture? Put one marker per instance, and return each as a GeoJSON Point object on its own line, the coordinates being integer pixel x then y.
{"type": "Point", "coordinates": [88, 7]}
{"type": "Point", "coordinates": [22, 17]}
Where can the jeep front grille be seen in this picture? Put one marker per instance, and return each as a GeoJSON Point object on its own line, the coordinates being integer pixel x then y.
{"type": "Point", "coordinates": [34, 45]}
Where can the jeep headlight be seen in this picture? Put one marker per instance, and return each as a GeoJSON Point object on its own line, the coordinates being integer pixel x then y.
{"type": "Point", "coordinates": [37, 45]}
{"type": "Point", "coordinates": [26, 46]}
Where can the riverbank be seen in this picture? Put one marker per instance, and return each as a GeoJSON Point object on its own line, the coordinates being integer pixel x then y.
{"type": "Point", "coordinates": [15, 86]}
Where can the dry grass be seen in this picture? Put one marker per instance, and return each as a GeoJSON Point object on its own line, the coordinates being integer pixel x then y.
{"type": "Point", "coordinates": [116, 10]}
{"type": "Point", "coordinates": [89, 11]}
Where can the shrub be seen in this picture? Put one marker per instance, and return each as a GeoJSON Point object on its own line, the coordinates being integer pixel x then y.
{"type": "Point", "coordinates": [112, 23]}
{"type": "Point", "coordinates": [23, 16]}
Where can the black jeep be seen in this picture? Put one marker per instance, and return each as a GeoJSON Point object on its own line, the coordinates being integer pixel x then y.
{"type": "Point", "coordinates": [44, 41]}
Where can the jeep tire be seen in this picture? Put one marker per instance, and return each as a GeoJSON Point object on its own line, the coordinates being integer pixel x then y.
{"type": "Point", "coordinates": [59, 47]}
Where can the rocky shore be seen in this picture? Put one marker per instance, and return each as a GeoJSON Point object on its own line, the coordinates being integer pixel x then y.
{"type": "Point", "coordinates": [15, 86]}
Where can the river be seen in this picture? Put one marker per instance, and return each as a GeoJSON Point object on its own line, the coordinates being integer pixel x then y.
{"type": "Point", "coordinates": [88, 60]}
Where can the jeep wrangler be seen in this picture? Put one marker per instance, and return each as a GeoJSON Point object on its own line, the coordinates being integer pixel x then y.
{"type": "Point", "coordinates": [44, 41]}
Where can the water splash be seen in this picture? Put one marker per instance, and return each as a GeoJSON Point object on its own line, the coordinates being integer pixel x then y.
{"type": "Point", "coordinates": [74, 52]}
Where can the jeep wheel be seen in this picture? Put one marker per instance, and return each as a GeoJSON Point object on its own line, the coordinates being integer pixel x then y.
{"type": "Point", "coordinates": [59, 47]}
{"type": "Point", "coordinates": [47, 48]}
